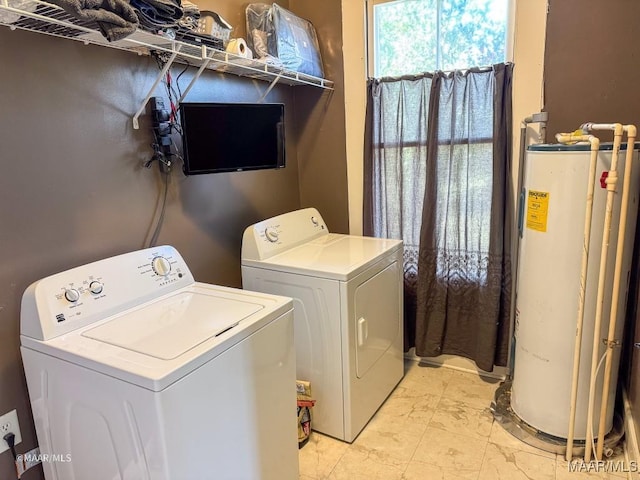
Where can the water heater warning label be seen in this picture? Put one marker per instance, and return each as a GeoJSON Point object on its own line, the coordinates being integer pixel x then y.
{"type": "Point", "coordinates": [537, 210]}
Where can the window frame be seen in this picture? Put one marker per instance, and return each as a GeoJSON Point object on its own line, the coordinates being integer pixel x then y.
{"type": "Point", "coordinates": [370, 33]}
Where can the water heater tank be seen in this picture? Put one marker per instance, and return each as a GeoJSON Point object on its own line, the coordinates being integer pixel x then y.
{"type": "Point", "coordinates": [552, 214]}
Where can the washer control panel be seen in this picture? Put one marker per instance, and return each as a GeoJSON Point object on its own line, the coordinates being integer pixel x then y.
{"type": "Point", "coordinates": [161, 266]}
{"type": "Point", "coordinates": [274, 235]}
{"type": "Point", "coordinates": [89, 293]}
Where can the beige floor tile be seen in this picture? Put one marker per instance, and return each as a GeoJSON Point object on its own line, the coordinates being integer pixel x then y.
{"type": "Point", "coordinates": [475, 390]}
{"type": "Point", "coordinates": [425, 471]}
{"type": "Point", "coordinates": [460, 417]}
{"type": "Point", "coordinates": [320, 455]}
{"type": "Point", "coordinates": [408, 406]}
{"type": "Point", "coordinates": [453, 453]}
{"type": "Point", "coordinates": [388, 442]}
{"type": "Point", "coordinates": [436, 426]}
{"type": "Point", "coordinates": [413, 390]}
{"type": "Point", "coordinates": [429, 379]}
{"type": "Point", "coordinates": [503, 463]}
{"type": "Point", "coordinates": [384, 422]}
{"type": "Point", "coordinates": [361, 463]}
{"type": "Point", "coordinates": [499, 436]}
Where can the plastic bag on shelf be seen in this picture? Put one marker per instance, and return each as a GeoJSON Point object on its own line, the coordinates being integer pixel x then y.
{"type": "Point", "coordinates": [11, 17]}
{"type": "Point", "coordinates": [259, 29]}
{"type": "Point", "coordinates": [273, 31]}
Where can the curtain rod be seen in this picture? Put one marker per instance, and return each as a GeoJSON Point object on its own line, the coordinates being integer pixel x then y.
{"type": "Point", "coordinates": [444, 73]}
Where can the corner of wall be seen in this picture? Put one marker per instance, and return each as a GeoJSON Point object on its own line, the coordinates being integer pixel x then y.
{"type": "Point", "coordinates": [321, 124]}
{"type": "Point", "coordinates": [354, 57]}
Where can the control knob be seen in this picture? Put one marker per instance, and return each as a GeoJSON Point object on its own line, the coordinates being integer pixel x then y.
{"type": "Point", "coordinates": [72, 295]}
{"type": "Point", "coordinates": [161, 266]}
{"type": "Point", "coordinates": [271, 234]}
{"type": "Point", "coordinates": [96, 287]}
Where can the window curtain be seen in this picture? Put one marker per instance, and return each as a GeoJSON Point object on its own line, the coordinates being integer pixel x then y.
{"type": "Point", "coordinates": [437, 176]}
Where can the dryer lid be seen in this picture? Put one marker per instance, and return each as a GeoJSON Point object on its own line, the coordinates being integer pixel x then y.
{"type": "Point", "coordinates": [334, 256]}
{"type": "Point", "coordinates": [170, 327]}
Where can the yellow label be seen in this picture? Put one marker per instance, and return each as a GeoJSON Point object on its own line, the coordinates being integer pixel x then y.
{"type": "Point", "coordinates": [537, 210]}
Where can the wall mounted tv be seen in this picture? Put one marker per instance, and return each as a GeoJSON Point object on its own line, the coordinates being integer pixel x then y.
{"type": "Point", "coordinates": [232, 137]}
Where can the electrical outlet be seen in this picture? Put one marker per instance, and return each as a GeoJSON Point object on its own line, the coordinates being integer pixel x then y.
{"type": "Point", "coordinates": [9, 424]}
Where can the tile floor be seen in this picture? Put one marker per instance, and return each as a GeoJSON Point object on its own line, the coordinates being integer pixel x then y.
{"type": "Point", "coordinates": [436, 425]}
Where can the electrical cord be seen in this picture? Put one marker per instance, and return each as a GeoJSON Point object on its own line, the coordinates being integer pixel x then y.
{"type": "Point", "coordinates": [165, 164]}
{"type": "Point", "coordinates": [10, 438]}
{"type": "Point", "coordinates": [177, 153]}
{"type": "Point", "coordinates": [156, 232]}
{"type": "Point", "coordinates": [163, 152]}
{"type": "Point", "coordinates": [178, 78]}
{"type": "Point", "coordinates": [161, 59]}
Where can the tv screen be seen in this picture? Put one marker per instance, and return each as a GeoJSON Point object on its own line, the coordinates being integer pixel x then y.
{"type": "Point", "coordinates": [231, 137]}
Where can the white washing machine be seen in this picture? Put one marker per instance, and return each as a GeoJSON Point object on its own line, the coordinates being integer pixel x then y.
{"type": "Point", "coordinates": [348, 309]}
{"type": "Point", "coordinates": [137, 372]}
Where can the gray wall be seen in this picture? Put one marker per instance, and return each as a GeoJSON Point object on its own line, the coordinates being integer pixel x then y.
{"type": "Point", "coordinates": [591, 63]}
{"type": "Point", "coordinates": [322, 151]}
{"type": "Point", "coordinates": [73, 189]}
{"type": "Point", "coordinates": [592, 73]}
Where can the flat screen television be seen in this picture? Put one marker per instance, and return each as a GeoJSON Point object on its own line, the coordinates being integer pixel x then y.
{"type": "Point", "coordinates": [232, 137]}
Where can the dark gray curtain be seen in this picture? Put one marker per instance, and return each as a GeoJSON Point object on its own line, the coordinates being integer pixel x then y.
{"type": "Point", "coordinates": [395, 168]}
{"type": "Point", "coordinates": [437, 175]}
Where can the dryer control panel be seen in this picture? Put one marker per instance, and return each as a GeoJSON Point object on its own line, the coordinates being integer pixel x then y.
{"type": "Point", "coordinates": [83, 295]}
{"type": "Point", "coordinates": [274, 235]}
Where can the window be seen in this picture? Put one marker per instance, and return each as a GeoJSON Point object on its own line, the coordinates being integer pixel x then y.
{"type": "Point", "coordinates": [414, 36]}
{"type": "Point", "coordinates": [436, 175]}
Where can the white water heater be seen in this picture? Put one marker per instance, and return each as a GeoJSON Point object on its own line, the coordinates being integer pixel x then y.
{"type": "Point", "coordinates": [552, 215]}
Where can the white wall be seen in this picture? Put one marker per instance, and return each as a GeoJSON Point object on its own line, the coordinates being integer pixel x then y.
{"type": "Point", "coordinates": [528, 57]}
{"type": "Point", "coordinates": [530, 22]}
{"type": "Point", "coordinates": [355, 93]}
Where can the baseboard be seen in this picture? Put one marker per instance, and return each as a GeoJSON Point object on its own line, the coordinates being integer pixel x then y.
{"type": "Point", "coordinates": [457, 363]}
{"type": "Point", "coordinates": [631, 446]}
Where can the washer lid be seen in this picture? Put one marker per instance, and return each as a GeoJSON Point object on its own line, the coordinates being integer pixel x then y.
{"type": "Point", "coordinates": [334, 256]}
{"type": "Point", "coordinates": [192, 323]}
{"type": "Point", "coordinates": [174, 325]}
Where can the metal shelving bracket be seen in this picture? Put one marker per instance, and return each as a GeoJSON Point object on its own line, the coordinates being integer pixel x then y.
{"type": "Point", "coordinates": [159, 78]}
{"type": "Point", "coordinates": [273, 84]}
{"type": "Point", "coordinates": [205, 64]}
{"type": "Point", "coordinates": [45, 18]}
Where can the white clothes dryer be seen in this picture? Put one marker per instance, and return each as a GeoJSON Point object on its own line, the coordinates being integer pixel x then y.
{"type": "Point", "coordinates": [348, 312]}
{"type": "Point", "coordinates": [137, 372]}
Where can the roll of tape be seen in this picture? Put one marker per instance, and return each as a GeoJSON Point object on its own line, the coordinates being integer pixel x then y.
{"type": "Point", "coordinates": [238, 46]}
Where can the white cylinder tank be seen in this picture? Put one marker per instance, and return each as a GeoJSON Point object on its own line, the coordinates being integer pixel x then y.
{"type": "Point", "coordinates": [552, 216]}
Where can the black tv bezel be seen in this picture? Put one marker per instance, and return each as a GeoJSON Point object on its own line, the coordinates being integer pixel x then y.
{"type": "Point", "coordinates": [281, 160]}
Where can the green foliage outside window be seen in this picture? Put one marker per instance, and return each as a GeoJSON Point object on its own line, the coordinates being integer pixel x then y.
{"type": "Point", "coordinates": [414, 36]}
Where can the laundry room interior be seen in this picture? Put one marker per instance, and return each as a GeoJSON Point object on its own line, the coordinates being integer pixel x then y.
{"type": "Point", "coordinates": [87, 177]}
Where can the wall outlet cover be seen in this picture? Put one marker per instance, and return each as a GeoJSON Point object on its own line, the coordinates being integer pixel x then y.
{"type": "Point", "coordinates": [9, 423]}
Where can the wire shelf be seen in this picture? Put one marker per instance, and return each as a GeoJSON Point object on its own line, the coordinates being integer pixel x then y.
{"type": "Point", "coordinates": [48, 19]}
